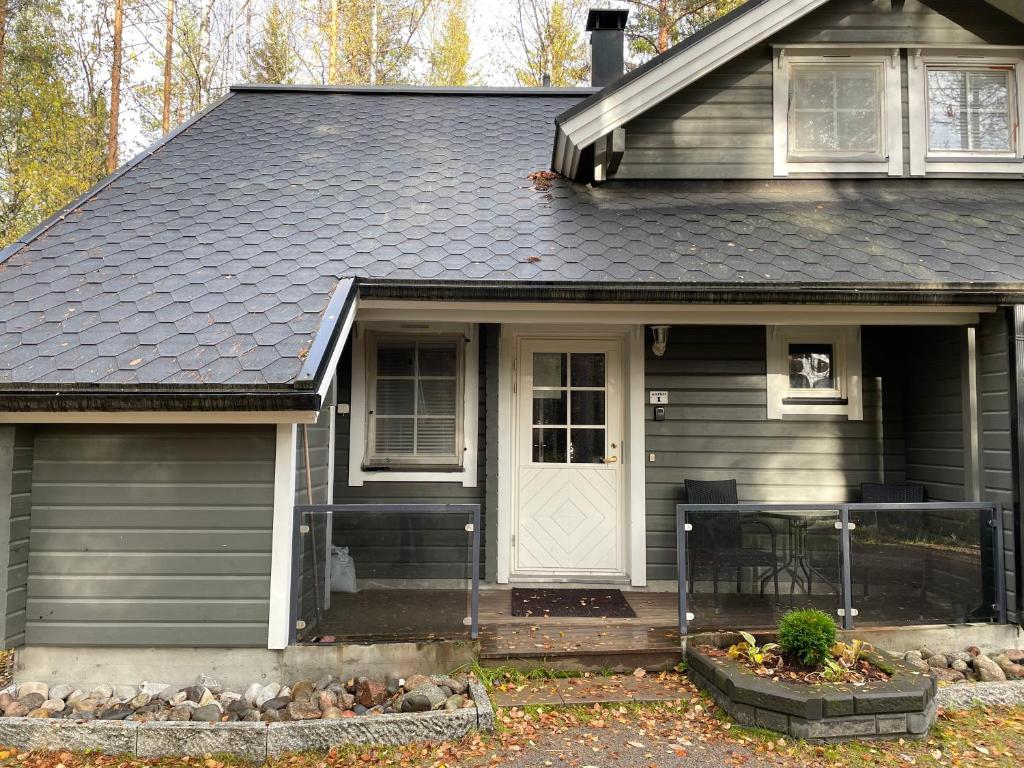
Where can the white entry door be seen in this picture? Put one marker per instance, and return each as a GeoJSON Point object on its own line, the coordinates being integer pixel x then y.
{"type": "Point", "coordinates": [569, 512]}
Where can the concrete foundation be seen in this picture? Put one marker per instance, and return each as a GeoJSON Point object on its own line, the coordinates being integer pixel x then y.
{"type": "Point", "coordinates": [236, 667]}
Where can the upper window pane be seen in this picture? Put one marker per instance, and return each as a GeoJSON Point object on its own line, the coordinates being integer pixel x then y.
{"type": "Point", "coordinates": [811, 366]}
{"type": "Point", "coordinates": [549, 369]}
{"type": "Point", "coordinates": [969, 110]}
{"type": "Point", "coordinates": [835, 110]}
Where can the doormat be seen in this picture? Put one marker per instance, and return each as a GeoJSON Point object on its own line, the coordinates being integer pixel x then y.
{"type": "Point", "coordinates": [571, 603]}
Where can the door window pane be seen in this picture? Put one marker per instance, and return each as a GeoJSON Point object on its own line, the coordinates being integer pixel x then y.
{"type": "Point", "coordinates": [587, 370]}
{"type": "Point", "coordinates": [835, 110]}
{"type": "Point", "coordinates": [587, 446]}
{"type": "Point", "coordinates": [549, 446]}
{"type": "Point", "coordinates": [969, 110]}
{"type": "Point", "coordinates": [548, 369]}
{"type": "Point", "coordinates": [811, 366]}
{"type": "Point", "coordinates": [549, 406]}
{"type": "Point", "coordinates": [587, 407]}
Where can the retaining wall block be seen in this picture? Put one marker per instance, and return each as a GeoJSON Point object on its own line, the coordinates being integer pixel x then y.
{"type": "Point", "coordinates": [247, 740]}
{"type": "Point", "coordinates": [311, 735]}
{"type": "Point", "coordinates": [112, 738]}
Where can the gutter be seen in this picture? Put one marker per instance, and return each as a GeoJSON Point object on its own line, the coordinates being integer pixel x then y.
{"type": "Point", "coordinates": [108, 401]}
{"type": "Point", "coordinates": [900, 294]}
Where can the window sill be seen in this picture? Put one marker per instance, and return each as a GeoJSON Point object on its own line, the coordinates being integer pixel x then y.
{"type": "Point", "coordinates": [462, 476]}
{"type": "Point", "coordinates": [975, 166]}
{"type": "Point", "coordinates": [448, 468]}
{"type": "Point", "coordinates": [813, 401]}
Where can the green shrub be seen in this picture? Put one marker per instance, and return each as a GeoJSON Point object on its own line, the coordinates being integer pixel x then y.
{"type": "Point", "coordinates": [807, 636]}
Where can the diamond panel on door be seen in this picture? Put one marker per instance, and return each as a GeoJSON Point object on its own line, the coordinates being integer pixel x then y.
{"type": "Point", "coordinates": [568, 520]}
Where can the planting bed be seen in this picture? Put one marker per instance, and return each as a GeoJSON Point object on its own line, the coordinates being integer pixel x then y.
{"type": "Point", "coordinates": [902, 706]}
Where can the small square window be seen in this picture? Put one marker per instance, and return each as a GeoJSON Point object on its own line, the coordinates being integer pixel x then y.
{"type": "Point", "coordinates": [812, 366]}
{"type": "Point", "coordinates": [970, 110]}
{"type": "Point", "coordinates": [813, 371]}
{"type": "Point", "coordinates": [835, 111]}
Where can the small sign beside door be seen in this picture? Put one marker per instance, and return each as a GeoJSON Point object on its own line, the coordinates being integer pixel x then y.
{"type": "Point", "coordinates": [659, 397]}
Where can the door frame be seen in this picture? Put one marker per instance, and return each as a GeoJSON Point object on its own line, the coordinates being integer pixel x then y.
{"type": "Point", "coordinates": [633, 455]}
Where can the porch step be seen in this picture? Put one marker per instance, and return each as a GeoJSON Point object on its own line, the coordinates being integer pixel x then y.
{"type": "Point", "coordinates": [583, 647]}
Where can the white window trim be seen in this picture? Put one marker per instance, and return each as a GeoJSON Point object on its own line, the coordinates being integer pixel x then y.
{"type": "Point", "coordinates": [846, 345]}
{"type": "Point", "coordinates": [980, 163]}
{"type": "Point", "coordinates": [357, 476]}
{"type": "Point", "coordinates": [891, 102]}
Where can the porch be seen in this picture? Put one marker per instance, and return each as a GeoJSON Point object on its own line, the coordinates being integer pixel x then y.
{"type": "Point", "coordinates": [915, 398]}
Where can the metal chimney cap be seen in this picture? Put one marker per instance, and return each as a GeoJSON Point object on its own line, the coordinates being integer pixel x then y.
{"type": "Point", "coordinates": [607, 18]}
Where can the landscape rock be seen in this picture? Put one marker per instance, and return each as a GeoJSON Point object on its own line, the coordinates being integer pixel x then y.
{"type": "Point", "coordinates": [32, 700]}
{"type": "Point", "coordinates": [926, 652]}
{"type": "Point", "coordinates": [61, 692]}
{"type": "Point", "coordinates": [456, 686]}
{"type": "Point", "coordinates": [369, 692]}
{"type": "Point", "coordinates": [988, 671]}
{"type": "Point", "coordinates": [276, 703]}
{"type": "Point", "coordinates": [415, 702]}
{"type": "Point", "coordinates": [326, 700]}
{"type": "Point", "coordinates": [914, 659]}
{"type": "Point", "coordinates": [179, 698]}
{"type": "Point", "coordinates": [124, 692]}
{"type": "Point", "coordinates": [252, 693]}
{"type": "Point", "coordinates": [947, 675]}
{"type": "Point", "coordinates": [271, 716]}
{"type": "Point", "coordinates": [453, 702]}
{"type": "Point", "coordinates": [415, 681]}
{"type": "Point", "coordinates": [41, 688]}
{"type": "Point", "coordinates": [155, 689]}
{"type": "Point", "coordinates": [332, 713]}
{"type": "Point", "coordinates": [1016, 655]}
{"type": "Point", "coordinates": [53, 705]}
{"type": "Point", "coordinates": [303, 710]}
{"type": "Point", "coordinates": [346, 701]}
{"type": "Point", "coordinates": [938, 661]}
{"type": "Point", "coordinates": [140, 699]}
{"type": "Point", "coordinates": [102, 692]}
{"type": "Point", "coordinates": [959, 665]}
{"type": "Point", "coordinates": [209, 713]}
{"type": "Point", "coordinates": [39, 713]}
{"type": "Point", "coordinates": [16, 709]}
{"type": "Point", "coordinates": [302, 690]}
{"type": "Point", "coordinates": [210, 683]}
{"type": "Point", "coordinates": [268, 692]}
{"type": "Point", "coordinates": [207, 698]}
{"type": "Point", "coordinates": [180, 713]}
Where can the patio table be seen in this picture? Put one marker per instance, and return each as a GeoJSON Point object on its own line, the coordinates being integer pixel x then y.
{"type": "Point", "coordinates": [799, 523]}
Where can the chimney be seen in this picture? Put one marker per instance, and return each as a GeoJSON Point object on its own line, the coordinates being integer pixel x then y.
{"type": "Point", "coordinates": [607, 40]}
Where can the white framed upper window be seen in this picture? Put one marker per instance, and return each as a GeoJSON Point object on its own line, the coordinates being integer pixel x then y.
{"type": "Point", "coordinates": [413, 393]}
{"type": "Point", "coordinates": [837, 113]}
{"type": "Point", "coordinates": [965, 112]}
{"type": "Point", "coordinates": [814, 371]}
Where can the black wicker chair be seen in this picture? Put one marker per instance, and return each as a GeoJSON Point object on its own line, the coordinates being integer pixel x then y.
{"type": "Point", "coordinates": [912, 525]}
{"type": "Point", "coordinates": [718, 536]}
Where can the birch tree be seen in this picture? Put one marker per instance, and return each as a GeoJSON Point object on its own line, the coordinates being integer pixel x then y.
{"type": "Point", "coordinates": [449, 50]}
{"type": "Point", "coordinates": [272, 58]}
{"type": "Point", "coordinates": [656, 25]}
{"type": "Point", "coordinates": [549, 40]}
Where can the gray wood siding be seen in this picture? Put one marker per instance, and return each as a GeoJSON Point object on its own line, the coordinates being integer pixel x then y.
{"type": "Point", "coordinates": [430, 547]}
{"type": "Point", "coordinates": [720, 127]}
{"type": "Point", "coordinates": [16, 447]}
{"type": "Point", "coordinates": [995, 423]}
{"type": "Point", "coordinates": [933, 421]}
{"type": "Point", "coordinates": [716, 427]}
{"type": "Point", "coordinates": [151, 535]}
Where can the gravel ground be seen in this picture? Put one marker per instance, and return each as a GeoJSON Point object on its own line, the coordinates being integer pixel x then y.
{"type": "Point", "coordinates": [624, 746]}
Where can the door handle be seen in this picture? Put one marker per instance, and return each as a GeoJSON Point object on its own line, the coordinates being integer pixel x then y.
{"type": "Point", "coordinates": [611, 459]}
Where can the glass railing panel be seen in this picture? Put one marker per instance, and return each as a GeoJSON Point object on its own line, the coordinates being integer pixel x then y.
{"type": "Point", "coordinates": [928, 565]}
{"type": "Point", "coordinates": [389, 573]}
{"type": "Point", "coordinates": [744, 570]}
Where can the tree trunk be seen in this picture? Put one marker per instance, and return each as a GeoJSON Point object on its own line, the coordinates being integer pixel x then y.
{"type": "Point", "coordinates": [168, 60]}
{"type": "Point", "coordinates": [332, 46]}
{"type": "Point", "coordinates": [115, 88]}
{"type": "Point", "coordinates": [663, 22]}
{"type": "Point", "coordinates": [3, 35]}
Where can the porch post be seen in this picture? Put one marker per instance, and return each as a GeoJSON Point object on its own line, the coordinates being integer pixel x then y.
{"type": "Point", "coordinates": [1015, 321]}
{"type": "Point", "coordinates": [279, 629]}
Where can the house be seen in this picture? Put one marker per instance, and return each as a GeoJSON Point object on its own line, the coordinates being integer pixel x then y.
{"type": "Point", "coordinates": [788, 252]}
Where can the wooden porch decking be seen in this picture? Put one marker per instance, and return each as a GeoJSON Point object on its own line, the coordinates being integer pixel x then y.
{"type": "Point", "coordinates": [651, 640]}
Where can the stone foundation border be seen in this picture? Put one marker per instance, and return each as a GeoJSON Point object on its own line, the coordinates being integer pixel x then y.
{"type": "Point", "coordinates": [904, 706]}
{"type": "Point", "coordinates": [253, 741]}
{"type": "Point", "coordinates": [967, 695]}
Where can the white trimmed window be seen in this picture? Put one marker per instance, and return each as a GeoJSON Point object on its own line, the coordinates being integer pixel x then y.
{"type": "Point", "coordinates": [814, 371]}
{"type": "Point", "coordinates": [413, 393]}
{"type": "Point", "coordinates": [837, 114]}
{"type": "Point", "coordinates": [965, 114]}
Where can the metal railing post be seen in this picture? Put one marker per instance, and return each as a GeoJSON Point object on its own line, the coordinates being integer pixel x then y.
{"type": "Point", "coordinates": [1000, 565]}
{"type": "Point", "coordinates": [681, 566]}
{"type": "Point", "coordinates": [845, 560]}
{"type": "Point", "coordinates": [474, 608]}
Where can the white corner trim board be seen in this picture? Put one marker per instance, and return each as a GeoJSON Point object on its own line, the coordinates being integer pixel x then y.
{"type": "Point", "coordinates": [727, 42]}
{"type": "Point", "coordinates": [279, 629]}
{"type": "Point", "coordinates": [636, 454]}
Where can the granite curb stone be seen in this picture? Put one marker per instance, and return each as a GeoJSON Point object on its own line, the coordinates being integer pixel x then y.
{"type": "Point", "coordinates": [254, 741]}
{"type": "Point", "coordinates": [1008, 693]}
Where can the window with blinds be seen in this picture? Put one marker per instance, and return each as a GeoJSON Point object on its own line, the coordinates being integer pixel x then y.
{"type": "Point", "coordinates": [415, 392]}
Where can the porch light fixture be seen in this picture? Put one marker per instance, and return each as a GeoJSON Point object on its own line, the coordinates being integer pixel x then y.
{"type": "Point", "coordinates": [660, 339]}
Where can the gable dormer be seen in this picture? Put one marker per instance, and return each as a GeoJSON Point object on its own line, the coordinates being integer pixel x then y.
{"type": "Point", "coordinates": [816, 88]}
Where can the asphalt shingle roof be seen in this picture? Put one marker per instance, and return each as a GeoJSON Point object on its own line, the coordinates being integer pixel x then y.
{"type": "Point", "coordinates": [210, 262]}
